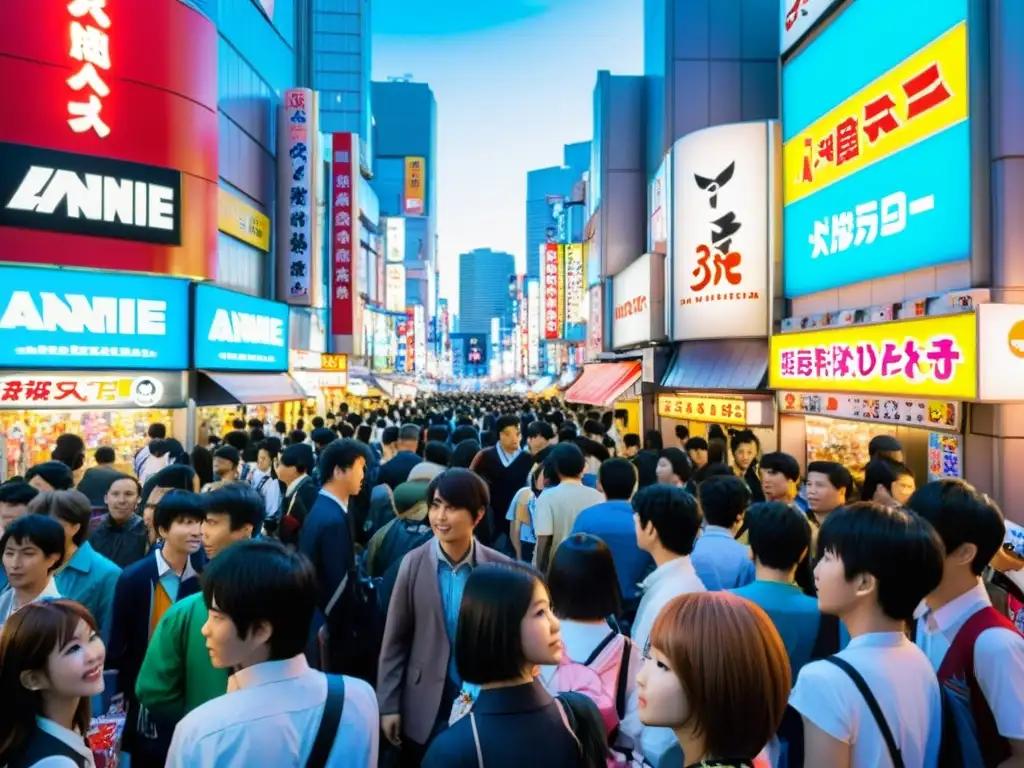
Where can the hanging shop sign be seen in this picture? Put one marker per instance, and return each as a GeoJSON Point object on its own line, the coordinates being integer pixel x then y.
{"type": "Point", "coordinates": [91, 320]}
{"type": "Point", "coordinates": [722, 204]}
{"type": "Point", "coordinates": [534, 300]}
{"type": "Point", "coordinates": [308, 360]}
{"type": "Point", "coordinates": [595, 328]}
{"type": "Point", "coordinates": [877, 153]}
{"type": "Point", "coordinates": [344, 231]}
{"type": "Point", "coordinates": [798, 16]}
{"type": "Point", "coordinates": [553, 283]}
{"type": "Point", "coordinates": [89, 28]}
{"type": "Point", "coordinates": [88, 195]}
{"type": "Point", "coordinates": [395, 239]}
{"type": "Point", "coordinates": [315, 382]}
{"type": "Point", "coordinates": [299, 133]}
{"type": "Point", "coordinates": [575, 319]}
{"type": "Point", "coordinates": [236, 332]}
{"type": "Point", "coordinates": [241, 221]}
{"type": "Point", "coordinates": [733, 411]}
{"type": "Point", "coordinates": [638, 297]}
{"type": "Point", "coordinates": [415, 173]}
{"type": "Point", "coordinates": [60, 390]}
{"type": "Point", "coordinates": [946, 415]}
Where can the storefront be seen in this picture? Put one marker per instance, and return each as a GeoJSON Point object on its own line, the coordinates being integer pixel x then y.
{"type": "Point", "coordinates": [916, 379]}
{"type": "Point", "coordinates": [241, 358]}
{"type": "Point", "coordinates": [722, 244]}
{"type": "Point", "coordinates": [99, 355]}
{"type": "Point", "coordinates": [610, 385]}
{"type": "Point", "coordinates": [324, 377]}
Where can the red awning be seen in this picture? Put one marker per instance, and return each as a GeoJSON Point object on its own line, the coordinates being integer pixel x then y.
{"type": "Point", "coordinates": [601, 384]}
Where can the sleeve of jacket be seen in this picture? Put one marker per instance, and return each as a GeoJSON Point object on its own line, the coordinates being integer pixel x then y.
{"type": "Point", "coordinates": [334, 557]}
{"type": "Point", "coordinates": [160, 686]}
{"type": "Point", "coordinates": [398, 630]}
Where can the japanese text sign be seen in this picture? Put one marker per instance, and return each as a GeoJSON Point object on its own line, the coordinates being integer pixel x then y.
{"type": "Point", "coordinates": [927, 357]}
{"type": "Point", "coordinates": [722, 249]}
{"type": "Point", "coordinates": [931, 414]}
{"type": "Point", "coordinates": [574, 279]}
{"type": "Point", "coordinates": [415, 173]}
{"type": "Point", "coordinates": [552, 287]}
{"type": "Point", "coordinates": [238, 332]}
{"type": "Point", "coordinates": [876, 152]}
{"type": "Point", "coordinates": [295, 164]}
{"type": "Point", "coordinates": [66, 391]}
{"type": "Point", "coordinates": [89, 26]}
{"type": "Point", "coordinates": [638, 313]}
{"type": "Point", "coordinates": [719, 410]}
{"type": "Point", "coordinates": [51, 318]}
{"type": "Point", "coordinates": [344, 231]}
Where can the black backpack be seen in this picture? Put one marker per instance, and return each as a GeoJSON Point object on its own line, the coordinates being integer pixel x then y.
{"type": "Point", "coordinates": [402, 537]}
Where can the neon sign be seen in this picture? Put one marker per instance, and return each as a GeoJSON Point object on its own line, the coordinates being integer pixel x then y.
{"type": "Point", "coordinates": [90, 47]}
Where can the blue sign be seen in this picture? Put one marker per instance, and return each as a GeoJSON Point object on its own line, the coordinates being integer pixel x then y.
{"type": "Point", "coordinates": [55, 318]}
{"type": "Point", "coordinates": [236, 332]}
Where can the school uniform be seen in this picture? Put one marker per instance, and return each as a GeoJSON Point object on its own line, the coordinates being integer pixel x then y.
{"type": "Point", "coordinates": [51, 744]}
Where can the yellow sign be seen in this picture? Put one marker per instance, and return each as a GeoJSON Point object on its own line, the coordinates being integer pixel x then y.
{"type": "Point", "coordinates": [918, 98]}
{"type": "Point", "coordinates": [720, 410]}
{"type": "Point", "coordinates": [330, 362]}
{"type": "Point", "coordinates": [415, 173]}
{"type": "Point", "coordinates": [925, 357]}
{"type": "Point", "coordinates": [242, 221]}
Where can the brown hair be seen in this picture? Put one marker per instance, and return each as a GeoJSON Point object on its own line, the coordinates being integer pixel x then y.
{"type": "Point", "coordinates": [29, 637]}
{"type": "Point", "coordinates": [733, 667]}
{"type": "Point", "coordinates": [70, 506]}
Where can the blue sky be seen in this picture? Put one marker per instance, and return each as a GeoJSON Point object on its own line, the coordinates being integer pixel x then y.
{"type": "Point", "coordinates": [514, 82]}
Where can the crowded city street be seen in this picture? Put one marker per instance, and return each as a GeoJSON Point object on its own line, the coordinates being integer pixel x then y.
{"type": "Point", "coordinates": [523, 384]}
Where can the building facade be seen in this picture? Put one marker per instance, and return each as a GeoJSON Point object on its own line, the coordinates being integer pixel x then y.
{"type": "Point", "coordinates": [483, 288]}
{"type": "Point", "coordinates": [545, 188]}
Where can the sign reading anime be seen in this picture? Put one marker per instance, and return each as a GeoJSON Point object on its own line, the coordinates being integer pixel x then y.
{"type": "Point", "coordinates": [237, 332]}
{"type": "Point", "coordinates": [876, 153]}
{"type": "Point", "coordinates": [89, 28]}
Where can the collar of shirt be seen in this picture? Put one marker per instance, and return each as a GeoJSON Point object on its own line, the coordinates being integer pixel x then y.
{"type": "Point", "coordinates": [507, 459]}
{"type": "Point", "coordinates": [163, 567]}
{"type": "Point", "coordinates": [268, 672]}
{"type": "Point", "coordinates": [469, 559]}
{"type": "Point", "coordinates": [676, 568]}
{"type": "Point", "coordinates": [335, 499]}
{"type": "Point", "coordinates": [953, 615]}
{"type": "Point", "coordinates": [62, 734]}
{"type": "Point", "coordinates": [717, 530]}
{"type": "Point", "coordinates": [294, 484]}
{"type": "Point", "coordinates": [83, 558]}
{"type": "Point", "coordinates": [527, 697]}
{"type": "Point", "coordinates": [878, 640]}
{"type": "Point", "coordinates": [110, 524]}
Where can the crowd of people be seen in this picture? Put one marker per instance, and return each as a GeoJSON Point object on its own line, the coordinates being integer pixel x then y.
{"type": "Point", "coordinates": [469, 580]}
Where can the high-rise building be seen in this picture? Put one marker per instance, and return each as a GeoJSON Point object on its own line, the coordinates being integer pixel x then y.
{"type": "Point", "coordinates": [483, 288]}
{"type": "Point", "coordinates": [545, 187]}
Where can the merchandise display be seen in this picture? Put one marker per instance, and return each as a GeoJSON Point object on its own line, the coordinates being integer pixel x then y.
{"type": "Point", "coordinates": [843, 441]}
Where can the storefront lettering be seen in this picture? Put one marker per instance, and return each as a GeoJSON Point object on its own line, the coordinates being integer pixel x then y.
{"type": "Point", "coordinates": [90, 47]}
{"type": "Point", "coordinates": [721, 410]}
{"type": "Point", "coordinates": [863, 225]}
{"type": "Point", "coordinates": [910, 360]}
{"type": "Point", "coordinates": [631, 307]}
{"type": "Point", "coordinates": [61, 390]}
{"type": "Point", "coordinates": [77, 313]}
{"type": "Point", "coordinates": [246, 328]}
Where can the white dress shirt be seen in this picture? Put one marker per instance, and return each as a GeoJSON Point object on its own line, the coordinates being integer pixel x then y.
{"type": "Point", "coordinates": [72, 739]}
{"type": "Point", "coordinates": [8, 606]}
{"type": "Point", "coordinates": [270, 716]}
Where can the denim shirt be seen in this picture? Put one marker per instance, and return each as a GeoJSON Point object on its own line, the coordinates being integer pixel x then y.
{"type": "Point", "coordinates": [452, 578]}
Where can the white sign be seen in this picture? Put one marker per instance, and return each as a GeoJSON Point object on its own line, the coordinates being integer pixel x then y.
{"type": "Point", "coordinates": [1000, 353]}
{"type": "Point", "coordinates": [420, 338]}
{"type": "Point", "coordinates": [395, 235]}
{"type": "Point", "coordinates": [246, 328]}
{"type": "Point", "coordinates": [867, 222]}
{"type": "Point", "coordinates": [90, 54]}
{"type": "Point", "coordinates": [295, 170]}
{"type": "Point", "coordinates": [723, 202]}
{"type": "Point", "coordinates": [638, 314]}
{"type": "Point", "coordinates": [798, 16]}
{"type": "Point", "coordinates": [659, 210]}
{"type": "Point", "coordinates": [533, 310]}
{"type": "Point", "coordinates": [938, 414]}
{"type": "Point", "coordinates": [394, 288]}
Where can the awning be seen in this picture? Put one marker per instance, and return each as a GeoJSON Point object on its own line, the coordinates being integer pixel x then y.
{"type": "Point", "coordinates": [727, 365]}
{"type": "Point", "coordinates": [247, 388]}
{"type": "Point", "coordinates": [601, 384]}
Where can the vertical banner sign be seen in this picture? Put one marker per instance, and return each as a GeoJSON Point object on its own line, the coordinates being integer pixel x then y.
{"type": "Point", "coordinates": [595, 328]}
{"type": "Point", "coordinates": [297, 237]}
{"type": "Point", "coordinates": [344, 235]}
{"type": "Point", "coordinates": [394, 289]}
{"type": "Point", "coordinates": [403, 347]}
{"type": "Point", "coordinates": [534, 308]}
{"type": "Point", "coordinates": [410, 340]}
{"type": "Point", "coordinates": [90, 57]}
{"type": "Point", "coordinates": [414, 174]}
{"type": "Point", "coordinates": [524, 331]}
{"type": "Point", "coordinates": [420, 335]}
{"type": "Point", "coordinates": [574, 272]}
{"type": "Point", "coordinates": [549, 258]}
{"type": "Point", "coordinates": [561, 291]}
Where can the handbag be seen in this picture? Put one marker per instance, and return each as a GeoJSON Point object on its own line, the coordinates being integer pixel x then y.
{"type": "Point", "coordinates": [876, 711]}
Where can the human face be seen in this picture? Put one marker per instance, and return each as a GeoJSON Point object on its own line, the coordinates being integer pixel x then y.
{"type": "Point", "coordinates": [629, 451]}
{"type": "Point", "coordinates": [226, 647]}
{"type": "Point", "coordinates": [26, 565]}
{"type": "Point", "coordinates": [536, 444]}
{"type": "Point", "coordinates": [744, 455]}
{"type": "Point", "coordinates": [540, 632]}
{"type": "Point", "coordinates": [217, 533]}
{"type": "Point", "coordinates": [699, 457]}
{"type": "Point", "coordinates": [11, 512]}
{"type": "Point", "coordinates": [836, 595]}
{"type": "Point", "coordinates": [775, 485]}
{"type": "Point", "coordinates": [40, 485]}
{"type": "Point", "coordinates": [223, 468]}
{"type": "Point", "coordinates": [452, 525]}
{"type": "Point", "coordinates": [510, 439]}
{"type": "Point", "coordinates": [75, 669]}
{"type": "Point", "coordinates": [184, 535]}
{"type": "Point", "coordinates": [903, 489]}
{"type": "Point", "coordinates": [263, 461]}
{"type": "Point", "coordinates": [286, 474]}
{"type": "Point", "coordinates": [352, 478]}
{"type": "Point", "coordinates": [661, 699]}
{"type": "Point", "coordinates": [822, 496]}
{"type": "Point", "coordinates": [121, 499]}
{"type": "Point", "coordinates": [665, 473]}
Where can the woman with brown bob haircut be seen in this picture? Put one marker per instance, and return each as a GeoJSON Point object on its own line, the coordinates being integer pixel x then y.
{"type": "Point", "coordinates": [718, 676]}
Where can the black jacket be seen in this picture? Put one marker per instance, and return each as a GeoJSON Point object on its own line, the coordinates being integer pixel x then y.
{"type": "Point", "coordinates": [396, 471]}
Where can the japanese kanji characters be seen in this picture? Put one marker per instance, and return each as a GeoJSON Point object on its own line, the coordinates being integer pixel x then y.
{"type": "Point", "coordinates": [299, 237]}
{"type": "Point", "coordinates": [90, 54]}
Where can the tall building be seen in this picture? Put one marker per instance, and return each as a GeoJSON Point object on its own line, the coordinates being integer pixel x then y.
{"type": "Point", "coordinates": [544, 187]}
{"type": "Point", "coordinates": [483, 288]}
{"type": "Point", "coordinates": [405, 148]}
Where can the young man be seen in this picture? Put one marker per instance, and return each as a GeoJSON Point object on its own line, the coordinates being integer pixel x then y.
{"type": "Point", "coordinates": [32, 548]}
{"type": "Point", "coordinates": [539, 435]}
{"type": "Point", "coordinates": [261, 598]}
{"type": "Point", "coordinates": [14, 500]}
{"type": "Point", "coordinates": [145, 591]}
{"type": "Point", "coordinates": [829, 485]}
{"type": "Point", "coordinates": [294, 469]}
{"type": "Point", "coordinates": [780, 476]}
{"type": "Point", "coordinates": [176, 675]}
{"type": "Point", "coordinates": [612, 522]}
{"type": "Point", "coordinates": [876, 566]}
{"type": "Point", "coordinates": [396, 470]}
{"type": "Point", "coordinates": [557, 508]}
{"type": "Point", "coordinates": [630, 445]}
{"type": "Point", "coordinates": [505, 468]}
{"type": "Point", "coordinates": [720, 560]}
{"type": "Point", "coordinates": [697, 449]}
{"type": "Point", "coordinates": [121, 536]}
{"type": "Point", "coordinates": [225, 462]}
{"type": "Point", "coordinates": [965, 638]}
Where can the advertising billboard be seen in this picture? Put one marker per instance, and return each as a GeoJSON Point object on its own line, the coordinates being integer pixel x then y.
{"type": "Point", "coordinates": [420, 336]}
{"type": "Point", "coordinates": [533, 325]}
{"type": "Point", "coordinates": [876, 153]}
{"type": "Point", "coordinates": [344, 231]}
{"type": "Point", "coordinates": [575, 320]}
{"type": "Point", "coordinates": [394, 242]}
{"type": "Point", "coordinates": [551, 274]}
{"type": "Point", "coordinates": [415, 186]}
{"type": "Point", "coordinates": [637, 298]}
{"type": "Point", "coordinates": [242, 222]}
{"type": "Point", "coordinates": [394, 287]}
{"type": "Point", "coordinates": [722, 204]}
{"type": "Point", "coordinates": [797, 17]}
{"type": "Point", "coordinates": [60, 390]}
{"type": "Point", "coordinates": [401, 333]}
{"type": "Point", "coordinates": [238, 332]}
{"type": "Point", "coordinates": [295, 171]}
{"type": "Point", "coordinates": [55, 318]}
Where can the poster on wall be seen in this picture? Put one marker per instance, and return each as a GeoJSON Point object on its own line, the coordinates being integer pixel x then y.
{"type": "Point", "coordinates": [722, 204]}
{"type": "Point", "coordinates": [296, 171]}
{"type": "Point", "coordinates": [415, 170]}
{"type": "Point", "coordinates": [945, 456]}
{"type": "Point", "coordinates": [394, 288]}
{"type": "Point", "coordinates": [344, 231]}
{"type": "Point", "coordinates": [552, 282]}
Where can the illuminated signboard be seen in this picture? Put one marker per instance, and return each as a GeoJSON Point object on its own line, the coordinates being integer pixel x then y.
{"type": "Point", "coordinates": [345, 231]}
{"type": "Point", "coordinates": [395, 239]}
{"type": "Point", "coordinates": [70, 390]}
{"type": "Point", "coordinates": [414, 170]}
{"type": "Point", "coordinates": [89, 28]}
{"type": "Point", "coordinates": [551, 263]}
{"type": "Point", "coordinates": [295, 171]}
{"type": "Point", "coordinates": [876, 152]}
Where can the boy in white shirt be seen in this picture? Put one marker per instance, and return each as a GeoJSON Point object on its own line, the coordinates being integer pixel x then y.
{"type": "Point", "coordinates": [876, 564]}
{"type": "Point", "coordinates": [957, 627]}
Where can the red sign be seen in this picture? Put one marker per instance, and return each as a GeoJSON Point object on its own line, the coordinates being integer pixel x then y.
{"type": "Point", "coordinates": [551, 282]}
{"type": "Point", "coordinates": [107, 79]}
{"type": "Point", "coordinates": [631, 307]}
{"type": "Point", "coordinates": [344, 232]}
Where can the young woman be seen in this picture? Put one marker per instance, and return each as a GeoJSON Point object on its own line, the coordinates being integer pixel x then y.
{"type": "Point", "coordinates": [507, 628]}
{"type": "Point", "coordinates": [718, 676]}
{"type": "Point", "coordinates": [746, 450]}
{"type": "Point", "coordinates": [521, 515]}
{"type": "Point", "coordinates": [673, 467]}
{"type": "Point", "coordinates": [51, 663]}
{"type": "Point", "coordinates": [264, 477]}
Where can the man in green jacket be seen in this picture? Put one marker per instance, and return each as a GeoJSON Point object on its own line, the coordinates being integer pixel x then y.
{"type": "Point", "coordinates": [177, 675]}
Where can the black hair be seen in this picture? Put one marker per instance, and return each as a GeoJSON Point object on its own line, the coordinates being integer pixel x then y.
{"type": "Point", "coordinates": [363, 433]}
{"type": "Point", "coordinates": [724, 500]}
{"type": "Point", "coordinates": [465, 432]}
{"type": "Point", "coordinates": [488, 640]}
{"type": "Point", "coordinates": [202, 463]}
{"type": "Point", "coordinates": [881, 472]}
{"type": "Point", "coordinates": [343, 429]}
{"type": "Point", "coordinates": [593, 427]}
{"type": "Point", "coordinates": [237, 438]}
{"type": "Point", "coordinates": [741, 437]}
{"type": "Point", "coordinates": [437, 452]}
{"type": "Point", "coordinates": [178, 505]}
{"type": "Point", "coordinates": [696, 444]}
{"type": "Point", "coordinates": [322, 436]}
{"type": "Point", "coordinates": [715, 432]}
{"type": "Point", "coordinates": [682, 433]}
{"type": "Point", "coordinates": [779, 534]}
{"type": "Point", "coordinates": [618, 479]}
{"type": "Point", "coordinates": [239, 501]}
{"type": "Point", "coordinates": [156, 431]}
{"type": "Point", "coordinates": [72, 507]}
{"type": "Point", "coordinates": [838, 475]}
{"type": "Point", "coordinates": [631, 440]}
{"type": "Point", "coordinates": [105, 455]}
{"type": "Point", "coordinates": [899, 548]}
{"type": "Point", "coordinates": [56, 473]}
{"type": "Point", "coordinates": [881, 445]}
{"type": "Point", "coordinates": [710, 470]}
{"type": "Point", "coordinates": [17, 493]}
{"type": "Point", "coordinates": [679, 461]}
{"type": "Point", "coordinates": [437, 433]}
{"type": "Point", "coordinates": [783, 463]}
{"type": "Point", "coordinates": [566, 435]}
{"type": "Point", "coordinates": [341, 454]}
{"type": "Point", "coordinates": [47, 534]}
{"type": "Point", "coordinates": [462, 489]}
{"type": "Point", "coordinates": [389, 435]}
{"type": "Point", "coordinates": [280, 427]}
{"type": "Point", "coordinates": [238, 423]}
{"type": "Point", "coordinates": [229, 453]}
{"type": "Point", "coordinates": [296, 437]}
{"type": "Point", "coordinates": [566, 460]}
{"type": "Point", "coordinates": [582, 579]}
{"type": "Point", "coordinates": [464, 454]}
{"type": "Point", "coordinates": [317, 422]}
{"type": "Point", "coordinates": [271, 446]}
{"type": "Point", "coordinates": [539, 428]}
{"type": "Point", "coordinates": [504, 422]}
{"type": "Point", "coordinates": [262, 581]}
{"type": "Point", "coordinates": [674, 514]}
{"type": "Point", "coordinates": [299, 456]}
{"type": "Point", "coordinates": [961, 515]}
